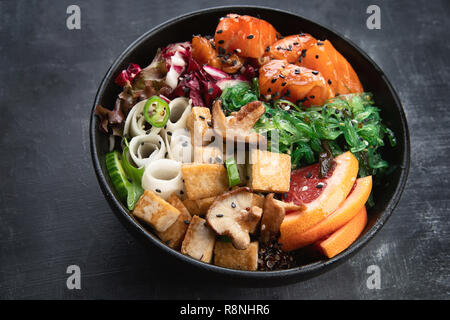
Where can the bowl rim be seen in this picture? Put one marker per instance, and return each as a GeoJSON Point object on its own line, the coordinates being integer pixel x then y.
{"type": "Point", "coordinates": [308, 269]}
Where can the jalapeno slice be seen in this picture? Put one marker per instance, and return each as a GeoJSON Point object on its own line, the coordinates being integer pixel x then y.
{"type": "Point", "coordinates": [156, 111]}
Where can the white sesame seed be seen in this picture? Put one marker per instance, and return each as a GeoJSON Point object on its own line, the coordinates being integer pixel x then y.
{"type": "Point", "coordinates": [304, 188]}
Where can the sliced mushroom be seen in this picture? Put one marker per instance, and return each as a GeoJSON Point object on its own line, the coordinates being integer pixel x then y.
{"type": "Point", "coordinates": [274, 212]}
{"type": "Point", "coordinates": [233, 215]}
{"type": "Point", "coordinates": [238, 126]}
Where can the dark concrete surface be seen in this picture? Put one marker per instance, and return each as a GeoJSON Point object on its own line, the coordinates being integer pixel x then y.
{"type": "Point", "coordinates": [53, 214]}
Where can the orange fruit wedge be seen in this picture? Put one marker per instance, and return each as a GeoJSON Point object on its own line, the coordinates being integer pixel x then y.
{"type": "Point", "coordinates": [345, 236]}
{"type": "Point", "coordinates": [333, 192]}
{"type": "Point", "coordinates": [349, 208]}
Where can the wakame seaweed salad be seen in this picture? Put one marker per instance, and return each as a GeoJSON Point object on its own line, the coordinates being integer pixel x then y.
{"type": "Point", "coordinates": [349, 122]}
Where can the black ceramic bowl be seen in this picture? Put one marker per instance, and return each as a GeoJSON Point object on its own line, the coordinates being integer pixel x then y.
{"type": "Point", "coordinates": [204, 22]}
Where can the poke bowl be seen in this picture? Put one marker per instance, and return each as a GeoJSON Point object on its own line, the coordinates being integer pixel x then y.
{"type": "Point", "coordinates": [324, 150]}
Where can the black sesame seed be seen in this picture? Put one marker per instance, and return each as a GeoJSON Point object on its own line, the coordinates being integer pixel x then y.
{"type": "Point", "coordinates": [181, 192]}
{"type": "Point", "coordinates": [295, 43]}
{"type": "Point", "coordinates": [165, 155]}
{"type": "Point", "coordinates": [319, 43]}
{"type": "Point", "coordinates": [315, 72]}
{"type": "Point", "coordinates": [184, 144]}
{"type": "Point", "coordinates": [319, 186]}
{"type": "Point", "coordinates": [302, 34]}
{"type": "Point", "coordinates": [219, 31]}
{"type": "Point", "coordinates": [233, 205]}
{"type": "Point", "coordinates": [297, 71]}
{"type": "Point", "coordinates": [309, 175]}
{"type": "Point", "coordinates": [158, 190]}
{"type": "Point", "coordinates": [312, 97]}
{"type": "Point", "coordinates": [218, 160]}
{"type": "Point", "coordinates": [185, 89]}
{"type": "Point", "coordinates": [169, 133]}
{"type": "Point", "coordinates": [288, 93]}
{"type": "Point", "coordinates": [278, 48]}
{"type": "Point", "coordinates": [283, 84]}
{"type": "Point", "coordinates": [269, 90]}
{"type": "Point", "coordinates": [187, 221]}
{"type": "Point", "coordinates": [304, 53]}
{"type": "Point", "coordinates": [273, 80]}
{"type": "Point", "coordinates": [329, 81]}
{"type": "Point", "coordinates": [267, 48]}
{"type": "Point", "coordinates": [202, 117]}
{"type": "Point", "coordinates": [250, 37]}
{"type": "Point", "coordinates": [219, 215]}
{"type": "Point", "coordinates": [209, 124]}
{"type": "Point", "coordinates": [285, 195]}
{"type": "Point", "coordinates": [221, 50]}
{"type": "Point", "coordinates": [317, 56]}
{"type": "Point", "coordinates": [221, 42]}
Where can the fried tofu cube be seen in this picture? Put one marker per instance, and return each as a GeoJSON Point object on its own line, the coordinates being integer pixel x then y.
{"type": "Point", "coordinates": [198, 124]}
{"type": "Point", "coordinates": [174, 235]}
{"type": "Point", "coordinates": [226, 255]}
{"type": "Point", "coordinates": [192, 206]}
{"type": "Point", "coordinates": [208, 154]}
{"type": "Point", "coordinates": [204, 180]}
{"type": "Point", "coordinates": [155, 211]}
{"type": "Point", "coordinates": [199, 240]}
{"type": "Point", "coordinates": [198, 207]}
{"type": "Point", "coordinates": [270, 172]}
{"type": "Point", "coordinates": [204, 204]}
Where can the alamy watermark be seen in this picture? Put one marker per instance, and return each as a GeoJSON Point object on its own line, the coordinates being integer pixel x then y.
{"type": "Point", "coordinates": [74, 280]}
{"type": "Point", "coordinates": [374, 20]}
{"type": "Point", "coordinates": [73, 21]}
{"type": "Point", "coordinates": [374, 280]}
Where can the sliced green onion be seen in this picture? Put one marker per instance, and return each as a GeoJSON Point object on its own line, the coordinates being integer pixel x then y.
{"type": "Point", "coordinates": [233, 173]}
{"type": "Point", "coordinates": [156, 112]}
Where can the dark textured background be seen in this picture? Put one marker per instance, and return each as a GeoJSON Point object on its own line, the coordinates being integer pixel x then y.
{"type": "Point", "coordinates": [53, 214]}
